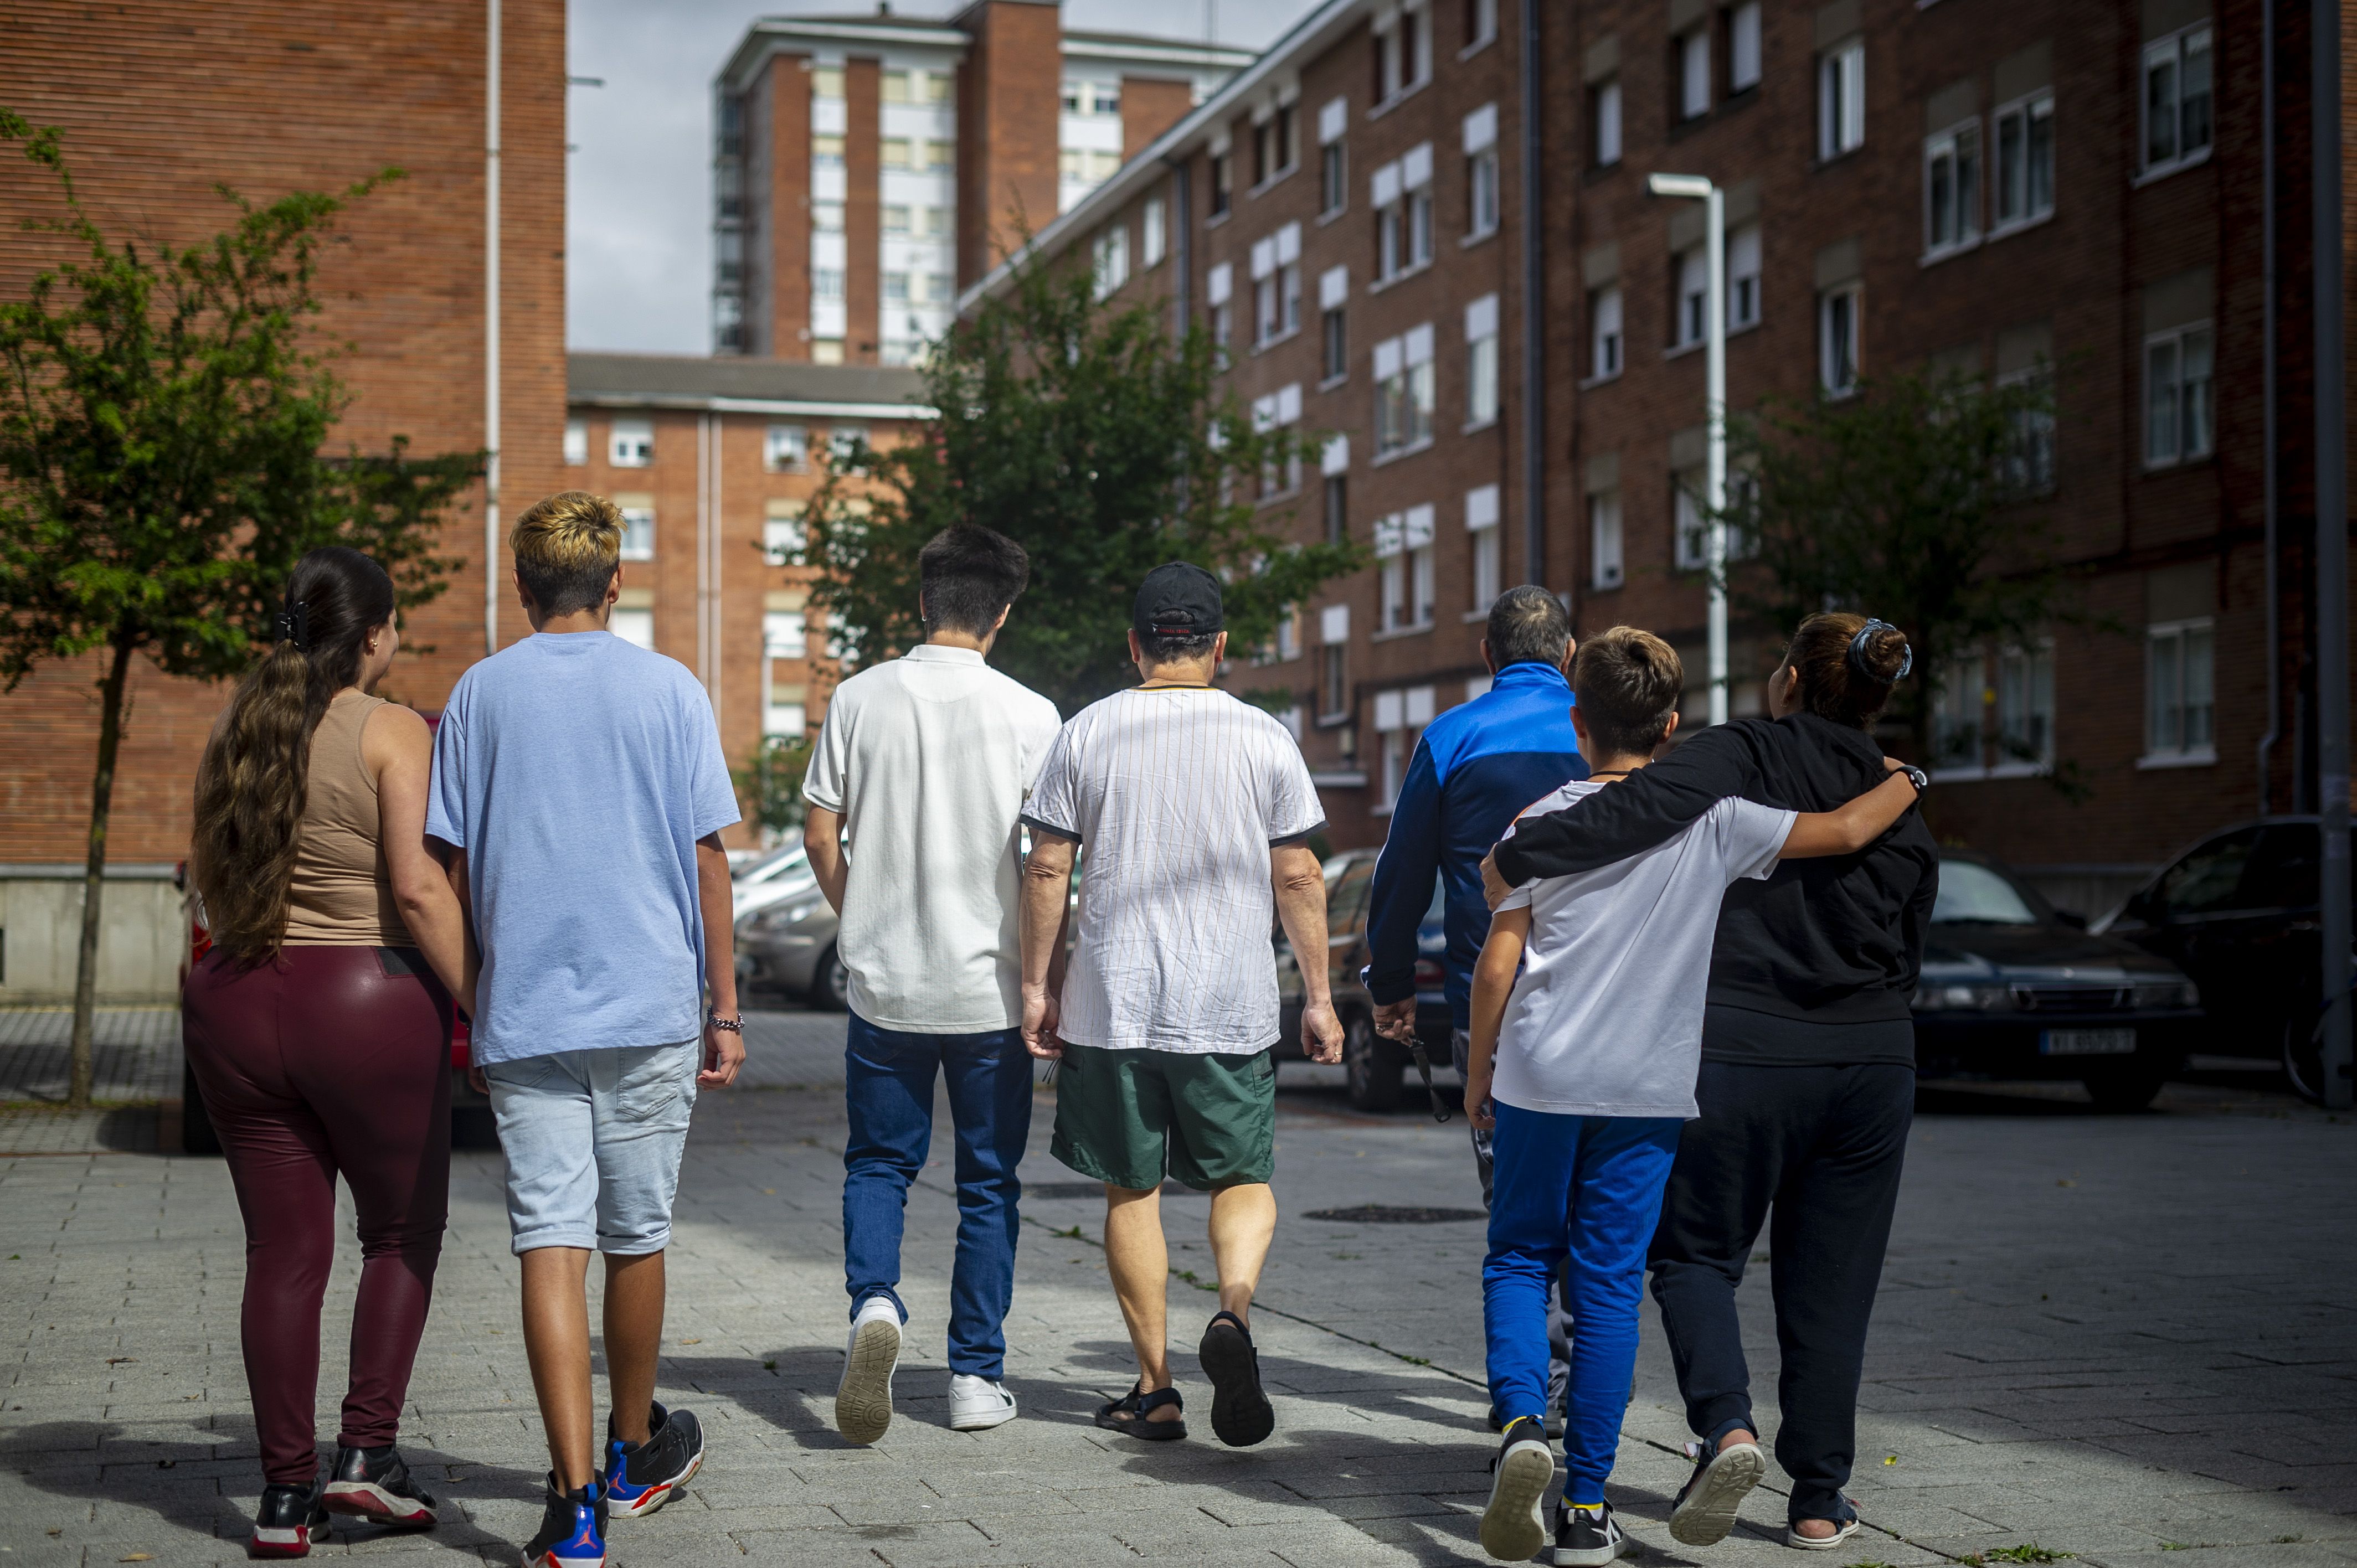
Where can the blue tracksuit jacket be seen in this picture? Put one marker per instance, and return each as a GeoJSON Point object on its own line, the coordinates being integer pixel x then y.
{"type": "Point", "coordinates": [1476, 768]}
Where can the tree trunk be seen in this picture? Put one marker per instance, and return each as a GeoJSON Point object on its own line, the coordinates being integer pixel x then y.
{"type": "Point", "coordinates": [102, 801]}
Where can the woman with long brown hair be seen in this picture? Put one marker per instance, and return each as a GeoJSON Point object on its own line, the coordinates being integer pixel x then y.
{"type": "Point", "coordinates": [1807, 1085]}
{"type": "Point", "coordinates": [318, 1030]}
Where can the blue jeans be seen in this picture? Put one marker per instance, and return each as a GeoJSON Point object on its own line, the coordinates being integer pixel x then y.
{"type": "Point", "coordinates": [1588, 1188]}
{"type": "Point", "coordinates": [888, 1083]}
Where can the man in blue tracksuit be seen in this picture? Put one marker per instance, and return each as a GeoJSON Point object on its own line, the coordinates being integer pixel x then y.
{"type": "Point", "coordinates": [1476, 768]}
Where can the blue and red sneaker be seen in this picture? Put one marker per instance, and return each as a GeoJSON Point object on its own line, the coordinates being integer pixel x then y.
{"type": "Point", "coordinates": [572, 1529]}
{"type": "Point", "coordinates": [643, 1476]}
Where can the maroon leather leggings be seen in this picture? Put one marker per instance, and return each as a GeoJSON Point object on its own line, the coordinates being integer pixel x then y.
{"type": "Point", "coordinates": [331, 1059]}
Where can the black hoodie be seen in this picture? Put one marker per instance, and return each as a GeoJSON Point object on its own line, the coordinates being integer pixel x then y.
{"type": "Point", "coordinates": [1835, 941]}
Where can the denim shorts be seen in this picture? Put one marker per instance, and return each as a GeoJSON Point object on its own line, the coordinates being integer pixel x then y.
{"type": "Point", "coordinates": [593, 1141]}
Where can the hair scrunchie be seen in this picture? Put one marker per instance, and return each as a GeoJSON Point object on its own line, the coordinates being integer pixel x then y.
{"type": "Point", "coordinates": [293, 624]}
{"type": "Point", "coordinates": [1857, 653]}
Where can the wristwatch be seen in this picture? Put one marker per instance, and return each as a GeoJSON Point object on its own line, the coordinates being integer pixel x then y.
{"type": "Point", "coordinates": [1920, 780]}
{"type": "Point", "coordinates": [734, 1025]}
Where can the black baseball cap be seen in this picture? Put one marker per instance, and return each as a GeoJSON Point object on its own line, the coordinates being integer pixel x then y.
{"type": "Point", "coordinates": [1179, 599]}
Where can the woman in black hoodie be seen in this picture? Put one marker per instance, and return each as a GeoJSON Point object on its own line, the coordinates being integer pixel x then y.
{"type": "Point", "coordinates": [1807, 1085]}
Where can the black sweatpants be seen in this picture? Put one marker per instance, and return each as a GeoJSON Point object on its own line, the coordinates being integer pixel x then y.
{"type": "Point", "coordinates": [1822, 1147]}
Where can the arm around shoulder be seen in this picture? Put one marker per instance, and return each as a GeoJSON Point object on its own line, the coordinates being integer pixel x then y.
{"type": "Point", "coordinates": [1651, 807]}
{"type": "Point", "coordinates": [1852, 826]}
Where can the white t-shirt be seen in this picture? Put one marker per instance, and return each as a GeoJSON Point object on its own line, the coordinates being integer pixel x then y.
{"type": "Point", "coordinates": [1176, 795]}
{"type": "Point", "coordinates": [927, 759]}
{"type": "Point", "coordinates": [1605, 1019]}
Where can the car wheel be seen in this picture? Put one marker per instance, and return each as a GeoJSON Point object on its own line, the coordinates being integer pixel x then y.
{"type": "Point", "coordinates": [1371, 1070]}
{"type": "Point", "coordinates": [196, 1134]}
{"type": "Point", "coordinates": [2129, 1089]}
{"type": "Point", "coordinates": [830, 986]}
{"type": "Point", "coordinates": [2303, 1053]}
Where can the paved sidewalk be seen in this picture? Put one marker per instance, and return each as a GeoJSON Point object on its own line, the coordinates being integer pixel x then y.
{"type": "Point", "coordinates": [134, 1053]}
{"type": "Point", "coordinates": [2119, 1338]}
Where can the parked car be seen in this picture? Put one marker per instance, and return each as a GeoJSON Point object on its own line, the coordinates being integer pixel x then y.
{"type": "Point", "coordinates": [1374, 1067]}
{"type": "Point", "coordinates": [2240, 912]}
{"type": "Point", "coordinates": [786, 931]}
{"type": "Point", "coordinates": [2011, 988]}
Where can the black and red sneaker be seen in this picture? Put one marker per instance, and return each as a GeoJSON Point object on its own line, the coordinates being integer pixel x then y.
{"type": "Point", "coordinates": [642, 1476]}
{"type": "Point", "coordinates": [290, 1521]}
{"type": "Point", "coordinates": [373, 1484]}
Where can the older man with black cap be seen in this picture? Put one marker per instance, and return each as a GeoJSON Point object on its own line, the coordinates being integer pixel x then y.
{"type": "Point", "coordinates": [1194, 808]}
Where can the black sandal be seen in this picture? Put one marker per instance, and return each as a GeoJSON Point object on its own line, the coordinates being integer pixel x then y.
{"type": "Point", "coordinates": [1241, 1413]}
{"type": "Point", "coordinates": [1128, 1414]}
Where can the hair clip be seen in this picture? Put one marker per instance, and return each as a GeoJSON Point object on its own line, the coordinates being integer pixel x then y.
{"type": "Point", "coordinates": [293, 624]}
{"type": "Point", "coordinates": [1857, 653]}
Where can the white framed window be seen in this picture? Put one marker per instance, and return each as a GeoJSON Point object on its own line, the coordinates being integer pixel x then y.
{"type": "Point", "coordinates": [896, 288]}
{"type": "Point", "coordinates": [1743, 278]}
{"type": "Point", "coordinates": [2024, 708]}
{"type": "Point", "coordinates": [1405, 400]}
{"type": "Point", "coordinates": [785, 634]}
{"type": "Point", "coordinates": [826, 283]}
{"type": "Point", "coordinates": [1403, 53]}
{"type": "Point", "coordinates": [1223, 182]}
{"type": "Point", "coordinates": [1693, 53]}
{"type": "Point", "coordinates": [1952, 190]}
{"type": "Point", "coordinates": [638, 533]}
{"type": "Point", "coordinates": [1604, 116]}
{"type": "Point", "coordinates": [2029, 461]}
{"type": "Point", "coordinates": [1273, 146]}
{"type": "Point", "coordinates": [2180, 709]}
{"type": "Point", "coordinates": [896, 152]}
{"type": "Point", "coordinates": [845, 439]}
{"type": "Point", "coordinates": [827, 152]}
{"type": "Point", "coordinates": [1957, 713]}
{"type": "Point", "coordinates": [1689, 521]}
{"type": "Point", "coordinates": [635, 626]}
{"type": "Point", "coordinates": [1604, 333]}
{"type": "Point", "coordinates": [1482, 532]}
{"type": "Point", "coordinates": [2024, 185]}
{"type": "Point", "coordinates": [1333, 179]}
{"type": "Point", "coordinates": [1690, 317]}
{"type": "Point", "coordinates": [630, 443]}
{"type": "Point", "coordinates": [1333, 300]}
{"type": "Point", "coordinates": [1604, 568]}
{"type": "Point", "coordinates": [1481, 361]}
{"type": "Point", "coordinates": [784, 539]}
{"type": "Point", "coordinates": [1743, 47]}
{"type": "Point", "coordinates": [1152, 240]}
{"type": "Point", "coordinates": [1480, 23]}
{"type": "Point", "coordinates": [1279, 409]}
{"type": "Point", "coordinates": [1110, 253]}
{"type": "Point", "coordinates": [2177, 371]}
{"type": "Point", "coordinates": [1404, 552]}
{"type": "Point", "coordinates": [1840, 316]}
{"type": "Point", "coordinates": [1288, 640]}
{"type": "Point", "coordinates": [2177, 127]}
{"type": "Point", "coordinates": [1481, 197]}
{"type": "Point", "coordinates": [576, 443]}
{"type": "Point", "coordinates": [1841, 99]}
{"type": "Point", "coordinates": [785, 448]}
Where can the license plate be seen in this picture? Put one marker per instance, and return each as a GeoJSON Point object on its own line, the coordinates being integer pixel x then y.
{"type": "Point", "coordinates": [2087, 1043]}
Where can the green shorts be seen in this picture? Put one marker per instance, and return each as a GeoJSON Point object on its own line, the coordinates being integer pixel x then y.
{"type": "Point", "coordinates": [1125, 1116]}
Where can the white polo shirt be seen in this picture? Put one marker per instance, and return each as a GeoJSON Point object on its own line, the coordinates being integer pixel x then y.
{"type": "Point", "coordinates": [928, 759]}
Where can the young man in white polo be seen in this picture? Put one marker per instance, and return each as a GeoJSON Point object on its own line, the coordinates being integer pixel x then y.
{"type": "Point", "coordinates": [1193, 809]}
{"type": "Point", "coordinates": [915, 788]}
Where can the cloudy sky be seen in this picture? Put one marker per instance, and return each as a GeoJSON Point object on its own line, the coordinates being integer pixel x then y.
{"type": "Point", "coordinates": [639, 205]}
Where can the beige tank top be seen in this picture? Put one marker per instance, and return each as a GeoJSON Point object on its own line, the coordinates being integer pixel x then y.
{"type": "Point", "coordinates": [343, 891]}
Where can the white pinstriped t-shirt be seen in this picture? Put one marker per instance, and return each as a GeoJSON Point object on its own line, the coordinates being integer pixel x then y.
{"type": "Point", "coordinates": [1176, 795]}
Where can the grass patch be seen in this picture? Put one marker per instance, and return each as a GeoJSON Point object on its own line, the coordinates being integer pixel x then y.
{"type": "Point", "coordinates": [2029, 1552]}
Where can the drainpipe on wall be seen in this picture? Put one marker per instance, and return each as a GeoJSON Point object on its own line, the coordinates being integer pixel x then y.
{"type": "Point", "coordinates": [2267, 405]}
{"type": "Point", "coordinates": [492, 334]}
{"type": "Point", "coordinates": [1534, 343]}
{"type": "Point", "coordinates": [2332, 558]}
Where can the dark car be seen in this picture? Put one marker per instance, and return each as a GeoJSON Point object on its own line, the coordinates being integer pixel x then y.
{"type": "Point", "coordinates": [2241, 912]}
{"type": "Point", "coordinates": [2013, 989]}
{"type": "Point", "coordinates": [1374, 1067]}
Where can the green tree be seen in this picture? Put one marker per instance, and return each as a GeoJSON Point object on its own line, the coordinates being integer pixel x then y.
{"type": "Point", "coordinates": [165, 416]}
{"type": "Point", "coordinates": [1915, 499]}
{"type": "Point", "coordinates": [1084, 430]}
{"type": "Point", "coordinates": [772, 782]}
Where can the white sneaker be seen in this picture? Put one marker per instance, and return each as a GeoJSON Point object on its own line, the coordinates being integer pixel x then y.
{"type": "Point", "coordinates": [863, 1401]}
{"type": "Point", "coordinates": [977, 1404]}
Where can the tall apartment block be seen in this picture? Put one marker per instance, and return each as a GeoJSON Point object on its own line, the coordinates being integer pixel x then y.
{"type": "Point", "coordinates": [1423, 229]}
{"type": "Point", "coordinates": [868, 167]}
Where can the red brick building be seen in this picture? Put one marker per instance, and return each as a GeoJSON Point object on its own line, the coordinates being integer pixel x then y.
{"type": "Point", "coordinates": [866, 167]}
{"type": "Point", "coordinates": [2045, 191]}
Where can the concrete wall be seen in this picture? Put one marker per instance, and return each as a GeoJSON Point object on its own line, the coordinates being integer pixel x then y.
{"type": "Point", "coordinates": [142, 934]}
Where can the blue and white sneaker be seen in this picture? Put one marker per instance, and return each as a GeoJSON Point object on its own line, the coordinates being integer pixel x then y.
{"type": "Point", "coordinates": [642, 1476]}
{"type": "Point", "coordinates": [572, 1529]}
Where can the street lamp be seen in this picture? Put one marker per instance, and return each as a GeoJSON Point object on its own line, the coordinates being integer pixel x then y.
{"type": "Point", "coordinates": [1694, 187]}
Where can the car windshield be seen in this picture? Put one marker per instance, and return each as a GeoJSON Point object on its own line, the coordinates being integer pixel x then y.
{"type": "Point", "coordinates": [1972, 895]}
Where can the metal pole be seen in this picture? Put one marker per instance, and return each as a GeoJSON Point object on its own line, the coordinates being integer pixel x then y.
{"type": "Point", "coordinates": [491, 336]}
{"type": "Point", "coordinates": [1534, 220]}
{"type": "Point", "coordinates": [1715, 481]}
{"type": "Point", "coordinates": [2331, 542]}
{"type": "Point", "coordinates": [2268, 412]}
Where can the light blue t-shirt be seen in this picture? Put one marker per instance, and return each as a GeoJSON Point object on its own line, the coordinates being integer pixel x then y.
{"type": "Point", "coordinates": [577, 771]}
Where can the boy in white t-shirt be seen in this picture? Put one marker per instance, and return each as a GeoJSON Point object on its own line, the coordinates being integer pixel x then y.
{"type": "Point", "coordinates": [1594, 1077]}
